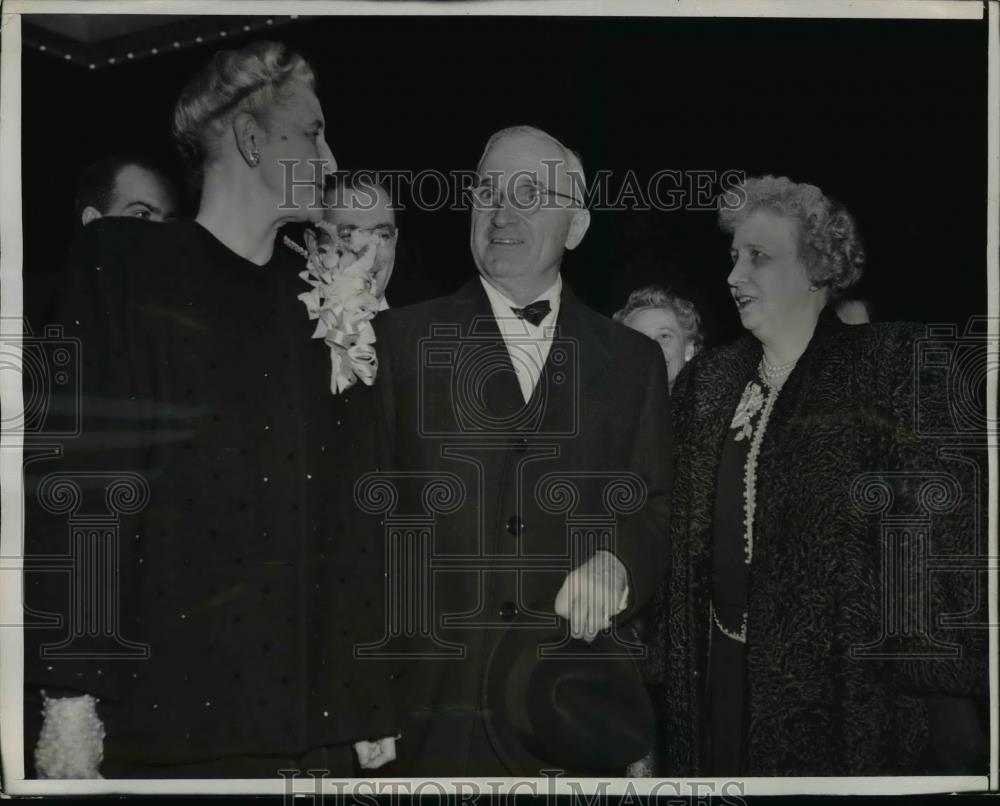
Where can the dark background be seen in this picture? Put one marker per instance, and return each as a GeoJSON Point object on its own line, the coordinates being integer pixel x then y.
{"type": "Point", "coordinates": [887, 116]}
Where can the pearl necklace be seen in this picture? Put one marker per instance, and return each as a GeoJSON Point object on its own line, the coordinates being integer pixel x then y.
{"type": "Point", "coordinates": [750, 473]}
{"type": "Point", "coordinates": [740, 636]}
{"type": "Point", "coordinates": [299, 250]}
{"type": "Point", "coordinates": [771, 371]}
{"type": "Point", "coordinates": [750, 495]}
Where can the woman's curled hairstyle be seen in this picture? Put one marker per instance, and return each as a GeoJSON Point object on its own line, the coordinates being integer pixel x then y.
{"type": "Point", "coordinates": [828, 243]}
{"type": "Point", "coordinates": [656, 296]}
{"type": "Point", "coordinates": [251, 79]}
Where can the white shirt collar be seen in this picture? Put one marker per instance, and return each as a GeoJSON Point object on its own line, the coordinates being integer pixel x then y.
{"type": "Point", "coordinates": [527, 345]}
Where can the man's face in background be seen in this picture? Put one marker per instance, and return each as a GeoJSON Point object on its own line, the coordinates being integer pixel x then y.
{"type": "Point", "coordinates": [367, 208]}
{"type": "Point", "coordinates": [138, 193]}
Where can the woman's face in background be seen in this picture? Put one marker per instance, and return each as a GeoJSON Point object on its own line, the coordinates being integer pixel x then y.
{"type": "Point", "coordinates": [661, 325]}
{"type": "Point", "coordinates": [769, 282]}
{"type": "Point", "coordinates": [294, 134]}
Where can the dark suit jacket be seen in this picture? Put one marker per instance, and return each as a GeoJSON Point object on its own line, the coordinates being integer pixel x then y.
{"type": "Point", "coordinates": [493, 500]}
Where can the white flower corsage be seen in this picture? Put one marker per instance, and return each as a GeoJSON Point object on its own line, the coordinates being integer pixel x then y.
{"type": "Point", "coordinates": [751, 402]}
{"type": "Point", "coordinates": [343, 301]}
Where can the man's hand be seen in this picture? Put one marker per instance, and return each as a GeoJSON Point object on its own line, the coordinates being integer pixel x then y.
{"type": "Point", "coordinates": [374, 754]}
{"type": "Point", "coordinates": [592, 595]}
{"type": "Point", "coordinates": [71, 742]}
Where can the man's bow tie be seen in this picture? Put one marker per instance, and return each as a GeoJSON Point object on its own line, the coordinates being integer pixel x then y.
{"type": "Point", "coordinates": [534, 313]}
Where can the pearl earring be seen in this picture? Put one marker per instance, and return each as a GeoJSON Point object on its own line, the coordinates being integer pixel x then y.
{"type": "Point", "coordinates": [254, 157]}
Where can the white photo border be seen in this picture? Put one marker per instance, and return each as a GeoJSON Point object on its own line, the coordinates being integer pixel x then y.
{"type": "Point", "coordinates": [11, 402]}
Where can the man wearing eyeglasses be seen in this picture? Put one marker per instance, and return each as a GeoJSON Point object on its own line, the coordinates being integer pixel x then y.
{"type": "Point", "coordinates": [517, 400]}
{"type": "Point", "coordinates": [359, 202]}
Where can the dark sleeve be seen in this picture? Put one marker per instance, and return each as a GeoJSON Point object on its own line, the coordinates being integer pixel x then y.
{"type": "Point", "coordinates": [642, 536]}
{"type": "Point", "coordinates": [376, 676]}
{"type": "Point", "coordinates": [893, 610]}
{"type": "Point", "coordinates": [958, 744]}
{"type": "Point", "coordinates": [655, 615]}
{"type": "Point", "coordinates": [386, 399]}
{"type": "Point", "coordinates": [945, 488]}
{"type": "Point", "coordinates": [101, 422]}
{"type": "Point", "coordinates": [94, 306]}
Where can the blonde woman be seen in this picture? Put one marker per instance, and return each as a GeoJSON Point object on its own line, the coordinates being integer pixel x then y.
{"type": "Point", "coordinates": [238, 597]}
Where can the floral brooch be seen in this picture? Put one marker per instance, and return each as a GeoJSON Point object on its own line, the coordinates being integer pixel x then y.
{"type": "Point", "coordinates": [343, 301]}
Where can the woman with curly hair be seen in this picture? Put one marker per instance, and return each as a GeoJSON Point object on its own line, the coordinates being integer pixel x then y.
{"type": "Point", "coordinates": [669, 320]}
{"type": "Point", "coordinates": [238, 594]}
{"type": "Point", "coordinates": [780, 619]}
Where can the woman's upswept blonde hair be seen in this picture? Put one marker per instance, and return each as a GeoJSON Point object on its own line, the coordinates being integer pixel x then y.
{"type": "Point", "coordinates": [251, 79]}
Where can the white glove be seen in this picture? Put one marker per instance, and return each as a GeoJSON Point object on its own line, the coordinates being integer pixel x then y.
{"type": "Point", "coordinates": [71, 742]}
{"type": "Point", "coordinates": [592, 594]}
{"type": "Point", "coordinates": [374, 754]}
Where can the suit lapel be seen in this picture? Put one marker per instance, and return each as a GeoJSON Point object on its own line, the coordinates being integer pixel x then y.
{"type": "Point", "coordinates": [485, 365]}
{"type": "Point", "coordinates": [578, 360]}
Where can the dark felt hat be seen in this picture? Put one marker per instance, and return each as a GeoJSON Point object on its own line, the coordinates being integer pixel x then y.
{"type": "Point", "coordinates": [553, 702]}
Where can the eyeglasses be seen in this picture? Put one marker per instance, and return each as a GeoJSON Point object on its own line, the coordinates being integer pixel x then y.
{"type": "Point", "coordinates": [526, 198]}
{"type": "Point", "coordinates": [383, 232]}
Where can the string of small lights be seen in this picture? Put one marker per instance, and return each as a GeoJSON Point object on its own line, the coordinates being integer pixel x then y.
{"type": "Point", "coordinates": [103, 56]}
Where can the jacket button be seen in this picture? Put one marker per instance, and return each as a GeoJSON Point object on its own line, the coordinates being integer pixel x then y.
{"type": "Point", "coordinates": [508, 610]}
{"type": "Point", "coordinates": [514, 526]}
